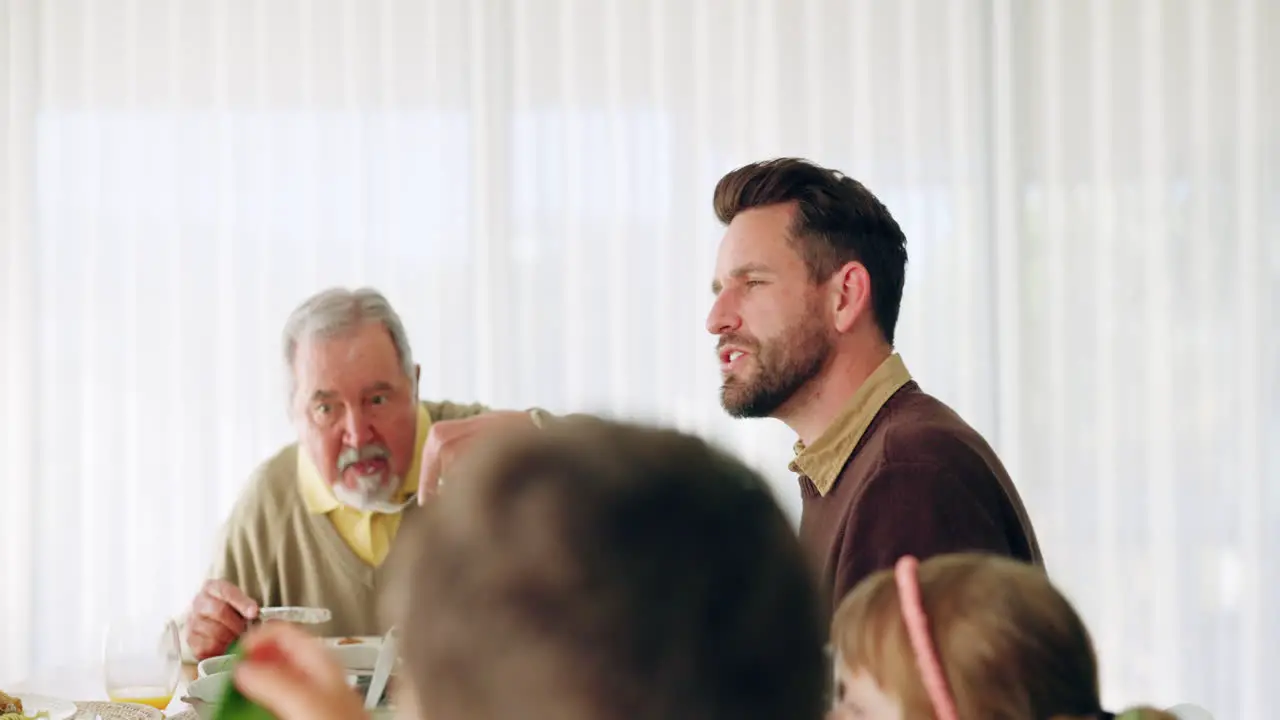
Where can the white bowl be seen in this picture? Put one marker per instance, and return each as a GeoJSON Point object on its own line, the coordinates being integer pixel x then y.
{"type": "Point", "coordinates": [205, 694]}
{"type": "Point", "coordinates": [213, 665]}
{"type": "Point", "coordinates": [356, 658]}
{"type": "Point", "coordinates": [344, 640]}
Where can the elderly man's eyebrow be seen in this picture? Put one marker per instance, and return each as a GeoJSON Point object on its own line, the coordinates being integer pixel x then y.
{"type": "Point", "coordinates": [380, 386]}
{"type": "Point", "coordinates": [323, 395]}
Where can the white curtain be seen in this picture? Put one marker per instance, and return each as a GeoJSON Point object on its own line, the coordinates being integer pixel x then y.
{"type": "Point", "coordinates": [1091, 192]}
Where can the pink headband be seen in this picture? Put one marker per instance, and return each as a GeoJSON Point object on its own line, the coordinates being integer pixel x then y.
{"type": "Point", "coordinates": [935, 682]}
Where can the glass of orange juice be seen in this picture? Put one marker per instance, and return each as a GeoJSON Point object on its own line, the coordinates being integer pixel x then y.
{"type": "Point", "coordinates": [142, 661]}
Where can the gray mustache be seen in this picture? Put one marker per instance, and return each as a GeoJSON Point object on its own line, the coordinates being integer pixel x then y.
{"type": "Point", "coordinates": [351, 456]}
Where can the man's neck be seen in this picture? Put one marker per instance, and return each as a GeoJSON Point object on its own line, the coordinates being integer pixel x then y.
{"type": "Point", "coordinates": [815, 407]}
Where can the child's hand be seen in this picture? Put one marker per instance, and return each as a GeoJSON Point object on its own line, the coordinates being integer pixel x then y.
{"type": "Point", "coordinates": [294, 676]}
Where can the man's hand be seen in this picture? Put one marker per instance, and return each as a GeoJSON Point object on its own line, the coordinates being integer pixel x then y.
{"type": "Point", "coordinates": [294, 676]}
{"type": "Point", "coordinates": [219, 615]}
{"type": "Point", "coordinates": [447, 440]}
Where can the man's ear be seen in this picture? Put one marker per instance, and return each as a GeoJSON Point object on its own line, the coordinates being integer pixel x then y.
{"type": "Point", "coordinates": [850, 295]}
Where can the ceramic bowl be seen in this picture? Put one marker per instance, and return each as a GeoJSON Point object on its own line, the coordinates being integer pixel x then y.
{"type": "Point", "coordinates": [214, 665]}
{"type": "Point", "coordinates": [204, 694]}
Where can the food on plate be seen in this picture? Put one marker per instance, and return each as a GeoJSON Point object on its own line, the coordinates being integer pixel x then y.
{"type": "Point", "coordinates": [350, 641]}
{"type": "Point", "coordinates": [11, 709]}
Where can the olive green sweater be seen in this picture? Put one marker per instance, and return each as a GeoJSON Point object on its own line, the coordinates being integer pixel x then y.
{"type": "Point", "coordinates": [278, 553]}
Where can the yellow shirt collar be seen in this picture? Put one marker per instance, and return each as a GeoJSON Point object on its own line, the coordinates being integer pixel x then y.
{"type": "Point", "coordinates": [823, 461]}
{"type": "Point", "coordinates": [318, 496]}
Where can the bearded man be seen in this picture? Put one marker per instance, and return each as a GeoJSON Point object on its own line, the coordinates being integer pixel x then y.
{"type": "Point", "coordinates": [317, 521]}
{"type": "Point", "coordinates": [808, 284]}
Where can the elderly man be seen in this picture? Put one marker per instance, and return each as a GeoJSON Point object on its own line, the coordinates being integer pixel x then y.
{"type": "Point", "coordinates": [318, 520]}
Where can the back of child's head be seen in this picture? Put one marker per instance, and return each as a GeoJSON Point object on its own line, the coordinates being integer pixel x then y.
{"type": "Point", "coordinates": [597, 570]}
{"type": "Point", "coordinates": [1009, 645]}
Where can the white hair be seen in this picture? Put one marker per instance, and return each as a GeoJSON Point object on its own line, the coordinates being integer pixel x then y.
{"type": "Point", "coordinates": [336, 311]}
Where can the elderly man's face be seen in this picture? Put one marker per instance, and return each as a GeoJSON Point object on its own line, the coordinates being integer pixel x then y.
{"type": "Point", "coordinates": [356, 413]}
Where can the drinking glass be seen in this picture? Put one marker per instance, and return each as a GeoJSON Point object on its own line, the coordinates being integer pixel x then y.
{"type": "Point", "coordinates": [142, 661]}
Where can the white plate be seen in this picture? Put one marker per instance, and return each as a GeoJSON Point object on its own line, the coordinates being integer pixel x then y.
{"type": "Point", "coordinates": [57, 709]}
{"type": "Point", "coordinates": [299, 615]}
{"type": "Point", "coordinates": [119, 711]}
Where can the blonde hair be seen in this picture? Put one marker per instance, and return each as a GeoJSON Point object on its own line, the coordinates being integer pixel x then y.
{"type": "Point", "coordinates": [1010, 645]}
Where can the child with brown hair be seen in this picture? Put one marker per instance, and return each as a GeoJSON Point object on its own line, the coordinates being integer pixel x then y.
{"type": "Point", "coordinates": [965, 637]}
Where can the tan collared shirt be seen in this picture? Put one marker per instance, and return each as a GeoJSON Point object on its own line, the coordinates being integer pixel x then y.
{"type": "Point", "coordinates": [823, 461]}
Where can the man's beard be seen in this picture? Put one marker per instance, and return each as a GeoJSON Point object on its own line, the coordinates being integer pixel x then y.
{"type": "Point", "coordinates": [783, 366]}
{"type": "Point", "coordinates": [371, 492]}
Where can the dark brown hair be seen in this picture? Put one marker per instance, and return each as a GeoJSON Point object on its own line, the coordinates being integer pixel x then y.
{"type": "Point", "coordinates": [595, 570]}
{"type": "Point", "coordinates": [837, 221]}
{"type": "Point", "coordinates": [1010, 645]}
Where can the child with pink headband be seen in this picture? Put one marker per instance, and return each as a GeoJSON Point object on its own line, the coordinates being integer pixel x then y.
{"type": "Point", "coordinates": [965, 637]}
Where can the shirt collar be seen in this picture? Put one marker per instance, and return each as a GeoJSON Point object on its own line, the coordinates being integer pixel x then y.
{"type": "Point", "coordinates": [318, 497]}
{"type": "Point", "coordinates": [822, 461]}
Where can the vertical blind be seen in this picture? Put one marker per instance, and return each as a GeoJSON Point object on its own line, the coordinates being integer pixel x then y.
{"type": "Point", "coordinates": [1091, 193]}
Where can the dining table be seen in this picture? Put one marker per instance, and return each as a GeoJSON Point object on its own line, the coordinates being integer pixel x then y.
{"type": "Point", "coordinates": [84, 686]}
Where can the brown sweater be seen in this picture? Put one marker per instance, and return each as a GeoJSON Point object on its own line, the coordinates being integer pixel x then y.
{"type": "Point", "coordinates": [900, 473]}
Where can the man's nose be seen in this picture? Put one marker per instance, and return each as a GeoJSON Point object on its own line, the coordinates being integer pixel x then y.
{"type": "Point", "coordinates": [722, 318]}
{"type": "Point", "coordinates": [357, 432]}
